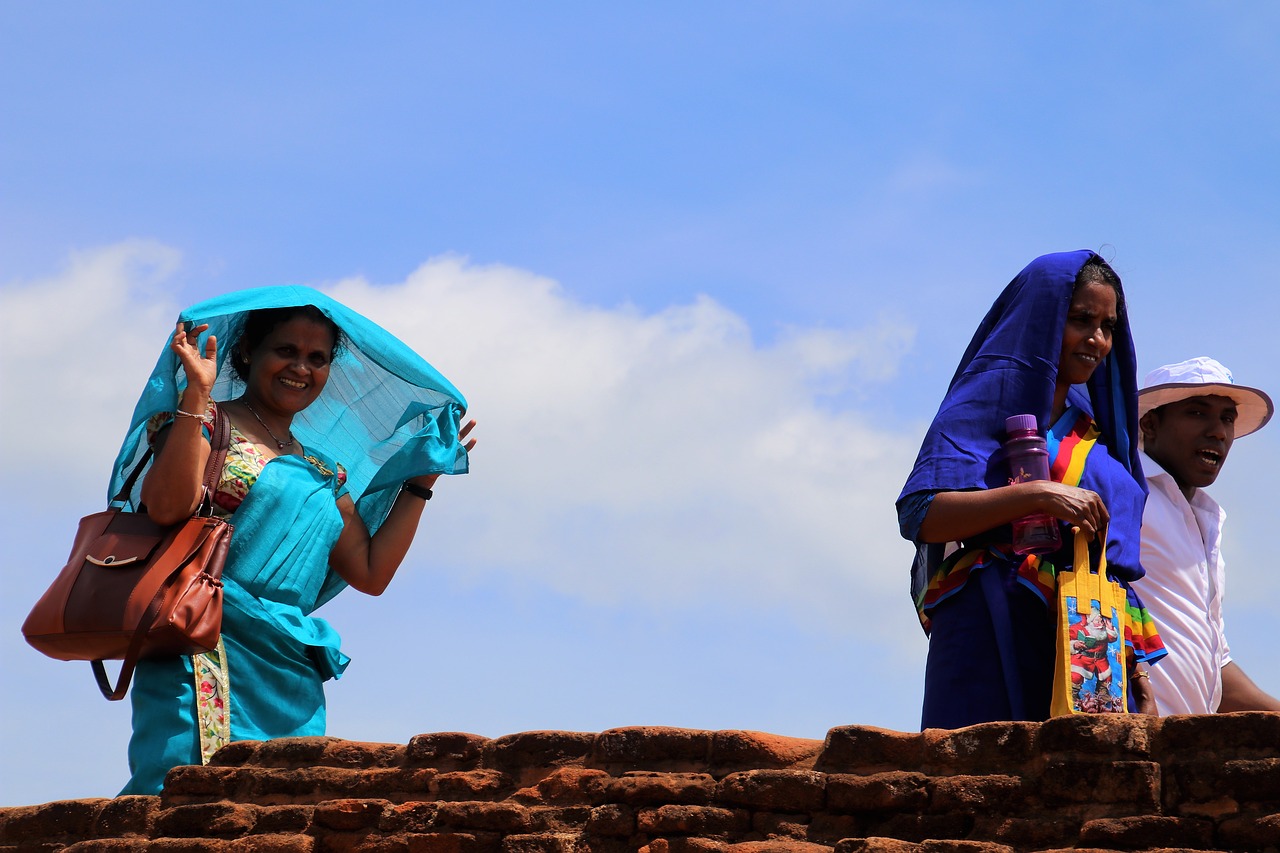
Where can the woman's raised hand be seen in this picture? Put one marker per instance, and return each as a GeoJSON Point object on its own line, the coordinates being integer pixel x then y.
{"type": "Point", "coordinates": [201, 369]}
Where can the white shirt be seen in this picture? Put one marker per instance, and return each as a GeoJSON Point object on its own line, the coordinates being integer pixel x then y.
{"type": "Point", "coordinates": [1186, 576]}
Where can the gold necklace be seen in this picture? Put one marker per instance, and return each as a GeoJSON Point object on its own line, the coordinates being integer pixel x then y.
{"type": "Point", "coordinates": [282, 445]}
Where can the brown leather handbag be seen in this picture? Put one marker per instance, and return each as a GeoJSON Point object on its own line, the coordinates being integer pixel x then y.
{"type": "Point", "coordinates": [136, 589]}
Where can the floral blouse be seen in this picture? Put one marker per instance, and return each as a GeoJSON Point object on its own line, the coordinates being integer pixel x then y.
{"type": "Point", "coordinates": [245, 462]}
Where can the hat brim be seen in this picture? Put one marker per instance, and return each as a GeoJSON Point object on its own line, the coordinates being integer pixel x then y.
{"type": "Point", "coordinates": [1253, 407]}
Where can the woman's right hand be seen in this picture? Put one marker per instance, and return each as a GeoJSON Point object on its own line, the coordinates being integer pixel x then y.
{"type": "Point", "coordinates": [954, 516]}
{"type": "Point", "coordinates": [201, 369]}
{"type": "Point", "coordinates": [1081, 508]}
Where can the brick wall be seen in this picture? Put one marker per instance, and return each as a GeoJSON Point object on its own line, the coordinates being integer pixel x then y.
{"type": "Point", "coordinates": [1096, 783]}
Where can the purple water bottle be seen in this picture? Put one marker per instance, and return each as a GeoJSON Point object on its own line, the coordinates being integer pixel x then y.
{"type": "Point", "coordinates": [1029, 460]}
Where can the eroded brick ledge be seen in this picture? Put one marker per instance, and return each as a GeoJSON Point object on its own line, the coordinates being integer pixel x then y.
{"type": "Point", "coordinates": [1085, 783]}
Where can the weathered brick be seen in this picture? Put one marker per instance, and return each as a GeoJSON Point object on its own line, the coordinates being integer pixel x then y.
{"type": "Point", "coordinates": [65, 818]}
{"type": "Point", "coordinates": [744, 750]}
{"type": "Point", "coordinates": [892, 791]}
{"type": "Point", "coordinates": [409, 817]}
{"type": "Point", "coordinates": [126, 816]}
{"type": "Point", "coordinates": [692, 820]}
{"type": "Point", "coordinates": [236, 753]}
{"type": "Point", "coordinates": [867, 749]}
{"type": "Point", "coordinates": [446, 750]}
{"type": "Point", "coordinates": [545, 842]}
{"type": "Point", "coordinates": [1026, 833]}
{"type": "Point", "coordinates": [568, 785]}
{"type": "Point", "coordinates": [777, 825]}
{"type": "Point", "coordinates": [984, 748]}
{"type": "Point", "coordinates": [291, 752]}
{"type": "Point", "coordinates": [1000, 794]}
{"type": "Point", "coordinates": [829, 828]}
{"type": "Point", "coordinates": [1256, 832]}
{"type": "Point", "coordinates": [876, 845]}
{"type": "Point", "coordinates": [1100, 781]}
{"type": "Point", "coordinates": [497, 817]}
{"type": "Point", "coordinates": [1243, 734]}
{"type": "Point", "coordinates": [451, 842]}
{"type": "Point", "coordinates": [779, 845]}
{"type": "Point", "coordinates": [1119, 736]}
{"type": "Point", "coordinates": [611, 820]}
{"type": "Point", "coordinates": [471, 784]}
{"type": "Point", "coordinates": [200, 783]}
{"type": "Point", "coordinates": [347, 815]}
{"type": "Point", "coordinates": [1252, 780]}
{"type": "Point", "coordinates": [272, 843]}
{"type": "Point", "coordinates": [216, 820]}
{"type": "Point", "coordinates": [520, 753]}
{"type": "Point", "coordinates": [646, 788]}
{"type": "Point", "coordinates": [774, 790]}
{"type": "Point", "coordinates": [1147, 831]}
{"type": "Point", "coordinates": [283, 819]}
{"type": "Point", "coordinates": [355, 754]}
{"type": "Point", "coordinates": [917, 827]}
{"type": "Point", "coordinates": [558, 818]}
{"type": "Point", "coordinates": [652, 748]}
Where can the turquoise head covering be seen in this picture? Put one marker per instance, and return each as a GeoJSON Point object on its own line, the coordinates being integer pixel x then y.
{"type": "Point", "coordinates": [385, 413]}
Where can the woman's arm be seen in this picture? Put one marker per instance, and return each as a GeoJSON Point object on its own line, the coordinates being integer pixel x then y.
{"type": "Point", "coordinates": [955, 516]}
{"type": "Point", "coordinates": [172, 488]}
{"type": "Point", "coordinates": [368, 563]}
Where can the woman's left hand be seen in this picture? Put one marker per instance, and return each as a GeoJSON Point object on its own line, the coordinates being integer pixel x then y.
{"type": "Point", "coordinates": [429, 481]}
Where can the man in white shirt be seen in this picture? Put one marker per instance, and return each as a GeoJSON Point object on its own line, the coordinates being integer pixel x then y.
{"type": "Point", "coordinates": [1190, 413]}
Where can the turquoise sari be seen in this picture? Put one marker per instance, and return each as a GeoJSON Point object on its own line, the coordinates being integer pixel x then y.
{"type": "Point", "coordinates": [387, 415]}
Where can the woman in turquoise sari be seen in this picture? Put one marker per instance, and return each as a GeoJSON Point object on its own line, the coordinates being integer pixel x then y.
{"type": "Point", "coordinates": [339, 433]}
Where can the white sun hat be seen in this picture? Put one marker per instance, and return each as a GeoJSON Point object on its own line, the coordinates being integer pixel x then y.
{"type": "Point", "coordinates": [1203, 377]}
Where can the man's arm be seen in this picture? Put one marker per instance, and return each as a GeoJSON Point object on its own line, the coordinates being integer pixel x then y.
{"type": "Point", "coordinates": [1239, 693]}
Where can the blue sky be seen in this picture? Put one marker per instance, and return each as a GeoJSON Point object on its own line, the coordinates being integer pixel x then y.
{"type": "Point", "coordinates": [702, 270]}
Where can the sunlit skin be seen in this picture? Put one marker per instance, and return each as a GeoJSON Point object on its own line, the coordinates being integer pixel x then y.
{"type": "Point", "coordinates": [1086, 339]}
{"type": "Point", "coordinates": [287, 371]}
{"type": "Point", "coordinates": [1191, 438]}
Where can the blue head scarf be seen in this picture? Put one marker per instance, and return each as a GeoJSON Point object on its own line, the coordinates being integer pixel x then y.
{"type": "Point", "coordinates": [385, 413]}
{"type": "Point", "coordinates": [1011, 368]}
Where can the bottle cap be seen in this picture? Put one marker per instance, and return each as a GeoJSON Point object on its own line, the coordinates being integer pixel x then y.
{"type": "Point", "coordinates": [1021, 423]}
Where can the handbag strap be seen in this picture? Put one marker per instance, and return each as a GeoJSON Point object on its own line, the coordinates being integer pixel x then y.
{"type": "Point", "coordinates": [220, 442]}
{"type": "Point", "coordinates": [135, 645]}
{"type": "Point", "coordinates": [213, 470]}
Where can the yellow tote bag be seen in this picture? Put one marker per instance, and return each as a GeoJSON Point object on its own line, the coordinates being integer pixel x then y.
{"type": "Point", "coordinates": [1089, 674]}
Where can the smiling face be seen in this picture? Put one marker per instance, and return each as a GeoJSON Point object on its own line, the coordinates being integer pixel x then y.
{"type": "Point", "coordinates": [1086, 338]}
{"type": "Point", "coordinates": [1190, 439]}
{"type": "Point", "coordinates": [290, 366]}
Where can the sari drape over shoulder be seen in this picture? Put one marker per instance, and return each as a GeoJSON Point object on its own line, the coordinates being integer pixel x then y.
{"type": "Point", "coordinates": [386, 415]}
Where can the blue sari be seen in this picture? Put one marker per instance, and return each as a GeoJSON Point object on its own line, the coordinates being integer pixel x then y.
{"type": "Point", "coordinates": [387, 415]}
{"type": "Point", "coordinates": [991, 646]}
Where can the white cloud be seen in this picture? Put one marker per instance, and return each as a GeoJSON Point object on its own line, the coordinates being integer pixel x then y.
{"type": "Point", "coordinates": [75, 350]}
{"type": "Point", "coordinates": [664, 456]}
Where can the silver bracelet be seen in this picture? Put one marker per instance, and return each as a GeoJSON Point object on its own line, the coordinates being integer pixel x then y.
{"type": "Point", "coordinates": [207, 420]}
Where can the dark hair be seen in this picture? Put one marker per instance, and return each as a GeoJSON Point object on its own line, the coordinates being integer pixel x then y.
{"type": "Point", "coordinates": [260, 323]}
{"type": "Point", "coordinates": [1098, 271]}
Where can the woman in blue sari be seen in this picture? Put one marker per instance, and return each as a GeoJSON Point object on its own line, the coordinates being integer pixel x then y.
{"type": "Point", "coordinates": [338, 434]}
{"type": "Point", "coordinates": [1056, 344]}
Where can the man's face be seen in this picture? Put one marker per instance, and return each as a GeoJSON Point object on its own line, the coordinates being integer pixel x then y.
{"type": "Point", "coordinates": [1190, 438]}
